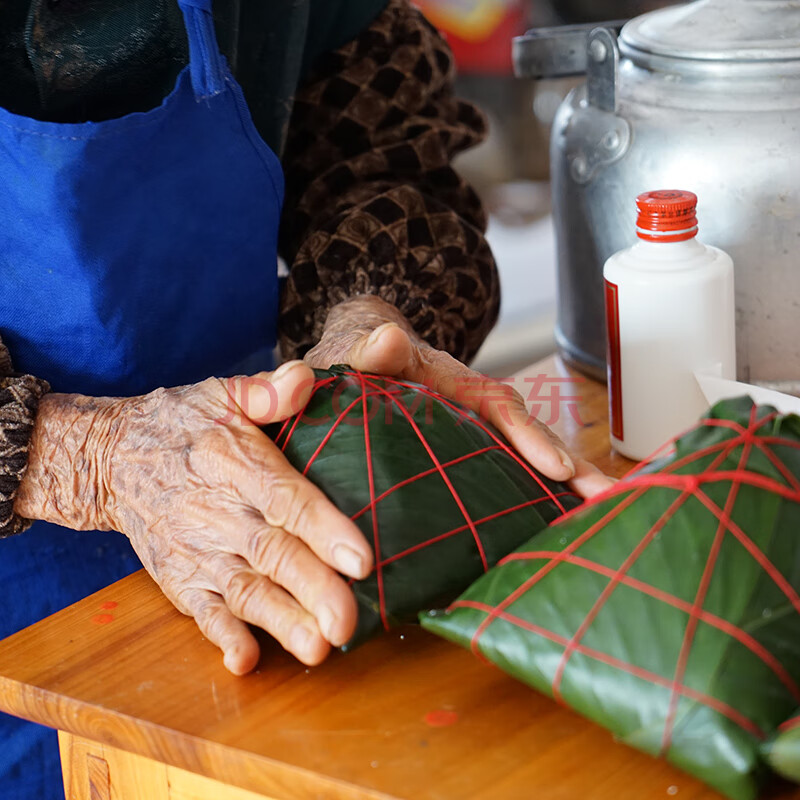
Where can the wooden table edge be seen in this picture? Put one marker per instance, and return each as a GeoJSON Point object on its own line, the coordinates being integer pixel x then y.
{"type": "Point", "coordinates": [210, 759]}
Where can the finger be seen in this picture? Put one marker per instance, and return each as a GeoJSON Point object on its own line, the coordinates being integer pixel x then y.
{"type": "Point", "coordinates": [500, 404]}
{"type": "Point", "coordinates": [332, 349]}
{"type": "Point", "coordinates": [216, 622]}
{"type": "Point", "coordinates": [272, 397]}
{"type": "Point", "coordinates": [289, 563]}
{"type": "Point", "coordinates": [288, 501]}
{"type": "Point", "coordinates": [388, 350]}
{"type": "Point", "coordinates": [258, 476]}
{"type": "Point", "coordinates": [254, 598]}
{"type": "Point", "coordinates": [589, 480]}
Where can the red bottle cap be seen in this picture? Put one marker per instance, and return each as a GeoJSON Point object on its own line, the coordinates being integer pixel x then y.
{"type": "Point", "coordinates": [667, 216]}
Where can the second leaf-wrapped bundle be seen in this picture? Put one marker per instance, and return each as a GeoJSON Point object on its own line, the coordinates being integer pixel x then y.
{"type": "Point", "coordinates": [782, 751]}
{"type": "Point", "coordinates": [667, 610]}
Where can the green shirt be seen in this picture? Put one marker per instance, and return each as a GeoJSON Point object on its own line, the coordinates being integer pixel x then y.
{"type": "Point", "coordinates": [78, 60]}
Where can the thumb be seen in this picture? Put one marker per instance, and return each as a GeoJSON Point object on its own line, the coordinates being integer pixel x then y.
{"type": "Point", "coordinates": [272, 396]}
{"type": "Point", "coordinates": [388, 350]}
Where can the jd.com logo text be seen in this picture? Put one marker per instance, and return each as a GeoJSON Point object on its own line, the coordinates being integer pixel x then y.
{"type": "Point", "coordinates": [509, 401]}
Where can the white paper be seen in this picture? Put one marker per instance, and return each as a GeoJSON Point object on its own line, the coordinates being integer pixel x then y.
{"type": "Point", "coordinates": [715, 389]}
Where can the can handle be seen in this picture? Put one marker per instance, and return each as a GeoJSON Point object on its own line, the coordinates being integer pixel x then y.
{"type": "Point", "coordinates": [559, 52]}
{"type": "Point", "coordinates": [602, 54]}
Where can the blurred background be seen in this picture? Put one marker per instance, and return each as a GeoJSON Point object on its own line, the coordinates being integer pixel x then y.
{"type": "Point", "coordinates": [511, 169]}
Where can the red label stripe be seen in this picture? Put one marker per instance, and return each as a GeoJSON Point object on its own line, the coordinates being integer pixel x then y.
{"type": "Point", "coordinates": [614, 362]}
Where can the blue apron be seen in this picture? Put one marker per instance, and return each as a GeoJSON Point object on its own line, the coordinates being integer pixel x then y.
{"type": "Point", "coordinates": [134, 253]}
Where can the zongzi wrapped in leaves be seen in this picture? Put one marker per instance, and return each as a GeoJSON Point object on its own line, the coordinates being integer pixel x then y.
{"type": "Point", "coordinates": [782, 750]}
{"type": "Point", "coordinates": [667, 609]}
{"type": "Point", "coordinates": [438, 492]}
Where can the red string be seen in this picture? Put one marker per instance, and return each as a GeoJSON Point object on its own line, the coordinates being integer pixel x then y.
{"type": "Point", "coordinates": [636, 478]}
{"type": "Point", "coordinates": [661, 480]}
{"type": "Point", "coordinates": [461, 507]}
{"type": "Point", "coordinates": [375, 535]}
{"type": "Point", "coordinates": [467, 416]}
{"type": "Point", "coordinates": [478, 522]}
{"type": "Point", "coordinates": [608, 590]}
{"type": "Point", "coordinates": [628, 491]}
{"type": "Point", "coordinates": [634, 487]}
{"type": "Point", "coordinates": [547, 568]}
{"type": "Point", "coordinates": [689, 457]}
{"type": "Point", "coordinates": [316, 388]}
{"type": "Point", "coordinates": [425, 474]}
{"type": "Point", "coordinates": [336, 423]}
{"type": "Point", "coordinates": [688, 486]}
{"type": "Point", "coordinates": [756, 552]}
{"type": "Point", "coordinates": [702, 591]}
{"type": "Point", "coordinates": [665, 479]}
{"type": "Point", "coordinates": [780, 440]}
{"type": "Point", "coordinates": [717, 705]}
{"type": "Point", "coordinates": [780, 466]}
{"type": "Point", "coordinates": [710, 619]}
{"type": "Point", "coordinates": [393, 390]}
{"type": "Point", "coordinates": [789, 725]}
{"type": "Point", "coordinates": [286, 423]}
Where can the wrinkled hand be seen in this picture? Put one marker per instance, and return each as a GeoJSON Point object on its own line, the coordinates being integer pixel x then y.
{"type": "Point", "coordinates": [372, 336]}
{"type": "Point", "coordinates": [228, 529]}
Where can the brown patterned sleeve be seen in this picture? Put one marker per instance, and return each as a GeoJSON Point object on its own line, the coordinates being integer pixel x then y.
{"type": "Point", "coordinates": [373, 205]}
{"type": "Point", "coordinates": [19, 401]}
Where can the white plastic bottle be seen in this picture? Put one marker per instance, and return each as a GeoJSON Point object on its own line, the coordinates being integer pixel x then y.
{"type": "Point", "coordinates": [670, 311]}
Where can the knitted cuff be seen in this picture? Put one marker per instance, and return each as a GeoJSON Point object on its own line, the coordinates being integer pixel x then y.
{"type": "Point", "coordinates": [19, 402]}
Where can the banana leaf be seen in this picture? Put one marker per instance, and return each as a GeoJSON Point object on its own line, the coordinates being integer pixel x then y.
{"type": "Point", "coordinates": [666, 610]}
{"type": "Point", "coordinates": [782, 751]}
{"type": "Point", "coordinates": [438, 492]}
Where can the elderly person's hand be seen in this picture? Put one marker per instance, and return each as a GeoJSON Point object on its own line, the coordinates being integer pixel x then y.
{"type": "Point", "coordinates": [372, 336]}
{"type": "Point", "coordinates": [231, 533]}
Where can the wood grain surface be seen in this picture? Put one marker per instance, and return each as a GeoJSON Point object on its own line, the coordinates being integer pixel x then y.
{"type": "Point", "coordinates": [94, 771]}
{"type": "Point", "coordinates": [139, 677]}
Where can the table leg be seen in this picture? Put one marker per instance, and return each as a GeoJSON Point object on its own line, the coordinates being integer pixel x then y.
{"type": "Point", "coordinates": [94, 771]}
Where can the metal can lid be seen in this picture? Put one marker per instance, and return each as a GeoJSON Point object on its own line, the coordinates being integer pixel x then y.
{"type": "Point", "coordinates": [733, 31]}
{"type": "Point", "coordinates": [667, 215]}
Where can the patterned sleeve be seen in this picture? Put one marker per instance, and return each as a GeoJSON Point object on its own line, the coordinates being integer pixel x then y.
{"type": "Point", "coordinates": [373, 205]}
{"type": "Point", "coordinates": [19, 401]}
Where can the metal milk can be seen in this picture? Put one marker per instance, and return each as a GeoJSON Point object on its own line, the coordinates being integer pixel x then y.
{"type": "Point", "coordinates": [703, 97]}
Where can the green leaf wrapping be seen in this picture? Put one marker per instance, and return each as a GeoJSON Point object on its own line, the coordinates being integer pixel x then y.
{"type": "Point", "coordinates": [437, 491]}
{"type": "Point", "coordinates": [782, 751]}
{"type": "Point", "coordinates": [666, 610]}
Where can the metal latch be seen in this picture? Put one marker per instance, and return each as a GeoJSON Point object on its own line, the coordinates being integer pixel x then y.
{"type": "Point", "coordinates": [571, 50]}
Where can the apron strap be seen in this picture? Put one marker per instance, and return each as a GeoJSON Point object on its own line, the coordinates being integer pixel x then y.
{"type": "Point", "coordinates": [206, 64]}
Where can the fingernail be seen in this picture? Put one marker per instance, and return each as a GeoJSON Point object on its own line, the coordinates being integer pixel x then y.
{"type": "Point", "coordinates": [299, 639]}
{"type": "Point", "coordinates": [565, 460]}
{"type": "Point", "coordinates": [378, 332]}
{"type": "Point", "coordinates": [231, 660]}
{"type": "Point", "coordinates": [283, 369]}
{"type": "Point", "coordinates": [348, 561]}
{"type": "Point", "coordinates": [326, 620]}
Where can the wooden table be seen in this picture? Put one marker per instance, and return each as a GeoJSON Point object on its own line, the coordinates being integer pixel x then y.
{"type": "Point", "coordinates": [146, 710]}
